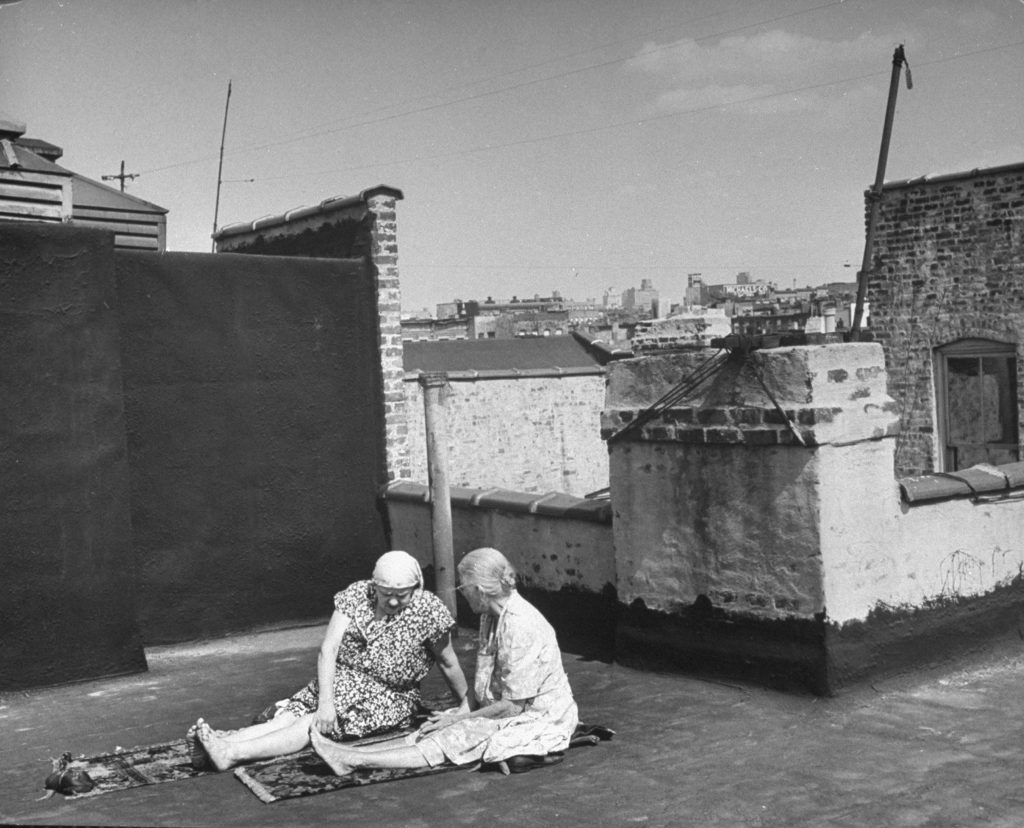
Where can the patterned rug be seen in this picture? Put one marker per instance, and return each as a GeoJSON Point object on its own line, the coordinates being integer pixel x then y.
{"type": "Point", "coordinates": [305, 773]}
{"type": "Point", "coordinates": [301, 774]}
{"type": "Point", "coordinates": [146, 765]}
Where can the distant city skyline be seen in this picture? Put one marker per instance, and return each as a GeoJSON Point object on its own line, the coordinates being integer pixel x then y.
{"type": "Point", "coordinates": [542, 143]}
{"type": "Point", "coordinates": [556, 293]}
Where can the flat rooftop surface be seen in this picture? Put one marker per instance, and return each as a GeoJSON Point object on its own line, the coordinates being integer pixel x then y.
{"type": "Point", "coordinates": [939, 747]}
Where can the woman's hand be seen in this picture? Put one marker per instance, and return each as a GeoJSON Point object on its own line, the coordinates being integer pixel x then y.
{"type": "Point", "coordinates": [325, 719]}
{"type": "Point", "coordinates": [442, 718]}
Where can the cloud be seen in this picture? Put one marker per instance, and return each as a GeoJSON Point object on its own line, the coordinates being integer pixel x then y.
{"type": "Point", "coordinates": [752, 73]}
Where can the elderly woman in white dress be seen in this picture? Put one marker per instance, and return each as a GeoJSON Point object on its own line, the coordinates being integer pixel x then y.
{"type": "Point", "coordinates": [523, 704]}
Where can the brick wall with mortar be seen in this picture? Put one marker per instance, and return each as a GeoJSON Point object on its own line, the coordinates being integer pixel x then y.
{"type": "Point", "coordinates": [549, 438]}
{"type": "Point", "coordinates": [363, 226]}
{"type": "Point", "coordinates": [948, 264]}
{"type": "Point", "coordinates": [384, 253]}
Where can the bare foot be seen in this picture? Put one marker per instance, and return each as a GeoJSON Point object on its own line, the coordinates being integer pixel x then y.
{"type": "Point", "coordinates": [217, 750]}
{"type": "Point", "coordinates": [338, 758]}
{"type": "Point", "coordinates": [196, 754]}
{"type": "Point", "coordinates": [224, 734]}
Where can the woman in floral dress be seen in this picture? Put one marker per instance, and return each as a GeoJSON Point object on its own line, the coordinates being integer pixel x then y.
{"type": "Point", "coordinates": [383, 638]}
{"type": "Point", "coordinates": [524, 706]}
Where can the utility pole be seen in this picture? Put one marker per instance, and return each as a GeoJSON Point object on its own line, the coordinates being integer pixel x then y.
{"type": "Point", "coordinates": [122, 176]}
{"type": "Point", "coordinates": [875, 197]}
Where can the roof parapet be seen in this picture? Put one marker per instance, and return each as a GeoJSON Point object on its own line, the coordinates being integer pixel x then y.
{"type": "Point", "coordinates": [295, 213]}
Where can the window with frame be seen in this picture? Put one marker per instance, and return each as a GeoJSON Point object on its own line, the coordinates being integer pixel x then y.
{"type": "Point", "coordinates": [976, 393]}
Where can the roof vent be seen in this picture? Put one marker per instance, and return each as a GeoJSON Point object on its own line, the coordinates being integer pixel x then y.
{"type": "Point", "coordinates": [10, 128]}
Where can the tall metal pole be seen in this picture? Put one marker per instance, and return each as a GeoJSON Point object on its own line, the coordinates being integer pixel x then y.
{"type": "Point", "coordinates": [220, 167]}
{"type": "Point", "coordinates": [433, 385]}
{"type": "Point", "coordinates": [875, 196]}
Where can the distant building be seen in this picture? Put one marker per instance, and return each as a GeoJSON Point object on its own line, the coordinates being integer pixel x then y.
{"type": "Point", "coordinates": [795, 295]}
{"type": "Point", "coordinates": [683, 330]}
{"type": "Point", "coordinates": [540, 316]}
{"type": "Point", "coordinates": [696, 290]}
{"type": "Point", "coordinates": [448, 310]}
{"type": "Point", "coordinates": [434, 330]}
{"type": "Point", "coordinates": [612, 298]}
{"type": "Point", "coordinates": [771, 323]}
{"type": "Point", "coordinates": [640, 300]}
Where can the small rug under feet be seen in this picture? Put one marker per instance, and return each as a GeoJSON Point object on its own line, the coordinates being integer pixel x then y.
{"type": "Point", "coordinates": [305, 773]}
{"type": "Point", "coordinates": [146, 765]}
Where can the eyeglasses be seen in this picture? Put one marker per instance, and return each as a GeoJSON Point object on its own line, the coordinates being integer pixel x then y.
{"type": "Point", "coordinates": [463, 587]}
{"type": "Point", "coordinates": [401, 597]}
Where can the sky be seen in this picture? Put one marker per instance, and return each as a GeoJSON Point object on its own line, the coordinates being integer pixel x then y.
{"type": "Point", "coordinates": [541, 145]}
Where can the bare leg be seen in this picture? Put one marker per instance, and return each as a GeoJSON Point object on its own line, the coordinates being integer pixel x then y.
{"type": "Point", "coordinates": [378, 743]}
{"type": "Point", "coordinates": [244, 734]}
{"type": "Point", "coordinates": [226, 753]}
{"type": "Point", "coordinates": [343, 759]}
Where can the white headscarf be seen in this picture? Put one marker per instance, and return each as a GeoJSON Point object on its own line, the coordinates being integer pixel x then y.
{"type": "Point", "coordinates": [397, 570]}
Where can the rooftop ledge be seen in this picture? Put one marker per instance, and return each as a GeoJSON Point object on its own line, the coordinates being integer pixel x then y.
{"type": "Point", "coordinates": [980, 482]}
{"type": "Point", "coordinates": [552, 504]}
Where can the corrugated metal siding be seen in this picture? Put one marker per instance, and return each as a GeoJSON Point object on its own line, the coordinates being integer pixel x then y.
{"type": "Point", "coordinates": [132, 231]}
{"type": "Point", "coordinates": [31, 197]}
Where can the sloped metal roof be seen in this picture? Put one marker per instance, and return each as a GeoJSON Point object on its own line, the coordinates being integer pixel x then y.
{"type": "Point", "coordinates": [87, 193]}
{"type": "Point", "coordinates": [552, 354]}
{"type": "Point", "coordinates": [16, 157]}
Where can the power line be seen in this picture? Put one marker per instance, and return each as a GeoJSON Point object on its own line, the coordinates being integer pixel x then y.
{"type": "Point", "coordinates": [536, 81]}
{"type": "Point", "coordinates": [585, 268]}
{"type": "Point", "coordinates": [633, 122]}
{"type": "Point", "coordinates": [511, 88]}
{"type": "Point", "coordinates": [511, 72]}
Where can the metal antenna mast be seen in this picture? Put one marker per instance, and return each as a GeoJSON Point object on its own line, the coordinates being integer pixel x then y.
{"type": "Point", "coordinates": [220, 168]}
{"type": "Point", "coordinates": [875, 197]}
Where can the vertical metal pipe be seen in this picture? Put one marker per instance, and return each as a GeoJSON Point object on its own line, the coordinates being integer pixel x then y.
{"type": "Point", "coordinates": [433, 385]}
{"type": "Point", "coordinates": [875, 197]}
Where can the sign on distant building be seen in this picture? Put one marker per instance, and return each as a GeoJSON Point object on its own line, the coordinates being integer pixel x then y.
{"type": "Point", "coordinates": [755, 290]}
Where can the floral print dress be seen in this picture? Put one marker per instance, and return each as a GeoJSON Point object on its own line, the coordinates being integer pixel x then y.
{"type": "Point", "coordinates": [380, 664]}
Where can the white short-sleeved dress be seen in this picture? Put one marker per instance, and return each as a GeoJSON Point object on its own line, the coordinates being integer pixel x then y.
{"type": "Point", "coordinates": [517, 658]}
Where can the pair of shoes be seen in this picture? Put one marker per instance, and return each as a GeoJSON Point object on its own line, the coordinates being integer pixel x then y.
{"type": "Point", "coordinates": [525, 762]}
{"type": "Point", "coordinates": [590, 735]}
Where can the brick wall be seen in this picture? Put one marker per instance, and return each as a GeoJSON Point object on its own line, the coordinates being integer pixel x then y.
{"type": "Point", "coordinates": [527, 434]}
{"type": "Point", "coordinates": [384, 254]}
{"type": "Point", "coordinates": [948, 265]}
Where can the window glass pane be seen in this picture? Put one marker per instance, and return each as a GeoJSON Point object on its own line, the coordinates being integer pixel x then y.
{"type": "Point", "coordinates": [963, 403]}
{"type": "Point", "coordinates": [999, 390]}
